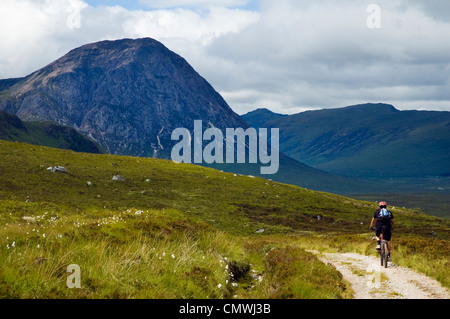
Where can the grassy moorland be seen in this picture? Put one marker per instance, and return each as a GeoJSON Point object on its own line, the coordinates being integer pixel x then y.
{"type": "Point", "coordinates": [182, 231]}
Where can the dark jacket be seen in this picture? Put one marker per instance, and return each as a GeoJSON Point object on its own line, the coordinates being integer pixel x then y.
{"type": "Point", "coordinates": [383, 221]}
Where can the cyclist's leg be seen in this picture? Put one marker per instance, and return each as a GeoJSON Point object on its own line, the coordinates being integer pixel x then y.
{"type": "Point", "coordinates": [377, 235]}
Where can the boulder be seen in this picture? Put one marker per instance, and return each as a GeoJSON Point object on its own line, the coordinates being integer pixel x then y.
{"type": "Point", "coordinates": [57, 169]}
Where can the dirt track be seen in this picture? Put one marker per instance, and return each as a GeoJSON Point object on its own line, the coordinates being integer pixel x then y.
{"type": "Point", "coordinates": [369, 280]}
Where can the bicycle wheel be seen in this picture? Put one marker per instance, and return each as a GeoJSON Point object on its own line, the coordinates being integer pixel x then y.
{"type": "Point", "coordinates": [382, 254]}
{"type": "Point", "coordinates": [385, 255]}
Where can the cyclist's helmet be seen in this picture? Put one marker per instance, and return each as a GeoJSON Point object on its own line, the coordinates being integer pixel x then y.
{"type": "Point", "coordinates": [382, 204]}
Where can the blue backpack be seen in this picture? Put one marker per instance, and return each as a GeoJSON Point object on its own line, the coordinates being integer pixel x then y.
{"type": "Point", "coordinates": [384, 215]}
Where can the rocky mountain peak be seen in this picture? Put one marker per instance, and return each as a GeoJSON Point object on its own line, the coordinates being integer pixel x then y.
{"type": "Point", "coordinates": [128, 95]}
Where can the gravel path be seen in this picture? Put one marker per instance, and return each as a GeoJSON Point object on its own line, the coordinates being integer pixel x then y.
{"type": "Point", "coordinates": [369, 280]}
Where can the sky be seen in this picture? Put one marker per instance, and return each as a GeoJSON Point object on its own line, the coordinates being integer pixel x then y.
{"type": "Point", "coordinates": [285, 55]}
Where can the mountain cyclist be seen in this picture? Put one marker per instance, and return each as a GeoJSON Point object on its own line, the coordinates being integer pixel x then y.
{"type": "Point", "coordinates": [384, 224]}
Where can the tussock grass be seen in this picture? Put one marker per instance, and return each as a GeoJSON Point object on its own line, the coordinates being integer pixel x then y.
{"type": "Point", "coordinates": [139, 254]}
{"type": "Point", "coordinates": [130, 255]}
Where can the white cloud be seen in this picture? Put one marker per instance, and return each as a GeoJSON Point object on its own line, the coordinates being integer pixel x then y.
{"type": "Point", "coordinates": [192, 3]}
{"type": "Point", "coordinates": [189, 25]}
{"type": "Point", "coordinates": [436, 9]}
{"type": "Point", "coordinates": [34, 33]}
{"type": "Point", "coordinates": [321, 54]}
{"type": "Point", "coordinates": [291, 55]}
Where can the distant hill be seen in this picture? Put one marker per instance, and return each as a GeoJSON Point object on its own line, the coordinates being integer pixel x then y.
{"type": "Point", "coordinates": [368, 141]}
{"type": "Point", "coordinates": [45, 134]}
{"type": "Point", "coordinates": [259, 117]}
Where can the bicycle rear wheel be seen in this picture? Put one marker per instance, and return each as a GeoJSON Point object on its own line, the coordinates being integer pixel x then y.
{"type": "Point", "coordinates": [384, 253]}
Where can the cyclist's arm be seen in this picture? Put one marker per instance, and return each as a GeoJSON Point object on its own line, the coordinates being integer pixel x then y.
{"type": "Point", "coordinates": [392, 223]}
{"type": "Point", "coordinates": [372, 222]}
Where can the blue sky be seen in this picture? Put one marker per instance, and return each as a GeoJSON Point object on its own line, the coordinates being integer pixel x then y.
{"type": "Point", "coordinates": [285, 55]}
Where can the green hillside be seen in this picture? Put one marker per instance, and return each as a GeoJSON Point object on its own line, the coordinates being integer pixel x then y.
{"type": "Point", "coordinates": [45, 134]}
{"type": "Point", "coordinates": [182, 231]}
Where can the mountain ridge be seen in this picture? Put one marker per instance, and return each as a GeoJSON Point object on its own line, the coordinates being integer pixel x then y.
{"type": "Point", "coordinates": [350, 141]}
{"type": "Point", "coordinates": [260, 116]}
